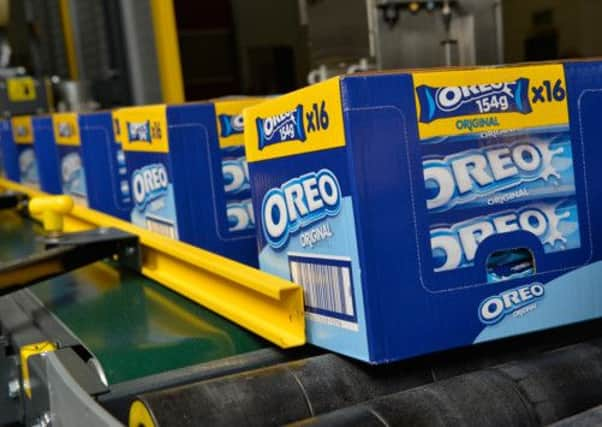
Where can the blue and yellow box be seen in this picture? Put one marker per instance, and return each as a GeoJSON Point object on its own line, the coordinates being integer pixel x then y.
{"type": "Point", "coordinates": [108, 188]}
{"type": "Point", "coordinates": [10, 163]}
{"type": "Point", "coordinates": [20, 149]}
{"type": "Point", "coordinates": [57, 146]}
{"type": "Point", "coordinates": [188, 176]}
{"type": "Point", "coordinates": [46, 154]}
{"type": "Point", "coordinates": [5, 133]}
{"type": "Point", "coordinates": [67, 138]}
{"type": "Point", "coordinates": [433, 209]}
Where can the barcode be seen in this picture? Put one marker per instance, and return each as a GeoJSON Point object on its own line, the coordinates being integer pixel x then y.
{"type": "Point", "coordinates": [161, 227]}
{"type": "Point", "coordinates": [327, 284]}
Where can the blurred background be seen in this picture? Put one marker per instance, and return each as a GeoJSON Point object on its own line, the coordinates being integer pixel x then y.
{"type": "Point", "coordinates": [88, 54]}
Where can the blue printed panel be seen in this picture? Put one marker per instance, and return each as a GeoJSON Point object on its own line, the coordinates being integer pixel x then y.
{"type": "Point", "coordinates": [9, 152]}
{"type": "Point", "coordinates": [237, 190]}
{"type": "Point", "coordinates": [152, 192]}
{"type": "Point", "coordinates": [211, 184]}
{"type": "Point", "coordinates": [304, 212]}
{"type": "Point", "coordinates": [498, 170]}
{"type": "Point", "coordinates": [480, 187]}
{"type": "Point", "coordinates": [454, 101]}
{"type": "Point", "coordinates": [284, 127]}
{"type": "Point", "coordinates": [72, 174]}
{"type": "Point", "coordinates": [230, 125]}
{"type": "Point", "coordinates": [46, 156]}
{"type": "Point", "coordinates": [554, 223]}
{"type": "Point", "coordinates": [106, 177]}
{"type": "Point", "coordinates": [28, 167]}
{"type": "Point", "coordinates": [572, 297]}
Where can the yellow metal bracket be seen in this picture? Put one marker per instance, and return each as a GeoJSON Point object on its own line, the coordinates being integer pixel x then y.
{"type": "Point", "coordinates": [51, 209]}
{"type": "Point", "coordinates": [140, 416]}
{"type": "Point", "coordinates": [25, 353]}
{"type": "Point", "coordinates": [264, 304]}
{"type": "Point", "coordinates": [21, 89]}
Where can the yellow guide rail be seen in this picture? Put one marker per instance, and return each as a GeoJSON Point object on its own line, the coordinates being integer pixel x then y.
{"type": "Point", "coordinates": [264, 304]}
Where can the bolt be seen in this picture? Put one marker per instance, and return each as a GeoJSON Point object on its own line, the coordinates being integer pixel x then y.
{"type": "Point", "coordinates": [14, 388]}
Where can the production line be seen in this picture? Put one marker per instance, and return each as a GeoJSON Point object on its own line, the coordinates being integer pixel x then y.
{"type": "Point", "coordinates": [384, 226]}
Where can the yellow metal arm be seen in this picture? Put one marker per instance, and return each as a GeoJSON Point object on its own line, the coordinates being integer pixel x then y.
{"type": "Point", "coordinates": [51, 209]}
{"type": "Point", "coordinates": [26, 352]}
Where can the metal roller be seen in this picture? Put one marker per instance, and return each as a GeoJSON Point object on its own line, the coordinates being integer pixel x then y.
{"type": "Point", "coordinates": [122, 395]}
{"type": "Point", "coordinates": [483, 398]}
{"type": "Point", "coordinates": [533, 392]}
{"type": "Point", "coordinates": [293, 391]}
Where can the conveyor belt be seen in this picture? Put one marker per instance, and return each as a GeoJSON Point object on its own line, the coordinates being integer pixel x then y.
{"type": "Point", "coordinates": [134, 326]}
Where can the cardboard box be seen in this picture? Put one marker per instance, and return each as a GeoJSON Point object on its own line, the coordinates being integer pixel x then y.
{"type": "Point", "coordinates": [4, 133]}
{"type": "Point", "coordinates": [66, 135]}
{"type": "Point", "coordinates": [47, 156]}
{"type": "Point", "coordinates": [10, 164]}
{"type": "Point", "coordinates": [188, 175]}
{"type": "Point", "coordinates": [433, 209]}
{"type": "Point", "coordinates": [107, 183]}
{"type": "Point", "coordinates": [21, 149]}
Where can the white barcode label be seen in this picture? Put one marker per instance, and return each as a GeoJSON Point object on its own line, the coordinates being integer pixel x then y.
{"type": "Point", "coordinates": [327, 284]}
{"type": "Point", "coordinates": [161, 227]}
